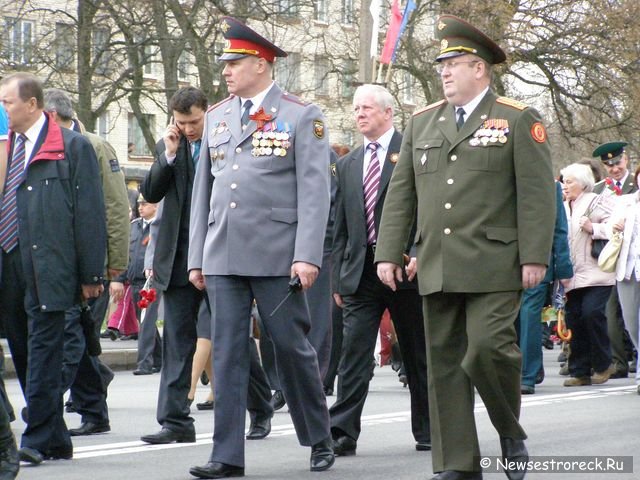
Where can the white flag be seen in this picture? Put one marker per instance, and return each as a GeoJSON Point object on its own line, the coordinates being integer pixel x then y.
{"type": "Point", "coordinates": [374, 8]}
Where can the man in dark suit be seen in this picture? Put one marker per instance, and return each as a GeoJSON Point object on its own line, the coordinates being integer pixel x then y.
{"type": "Point", "coordinates": [259, 225]}
{"type": "Point", "coordinates": [171, 178]}
{"type": "Point", "coordinates": [48, 261]}
{"type": "Point", "coordinates": [615, 159]}
{"type": "Point", "coordinates": [363, 176]}
{"type": "Point", "coordinates": [476, 170]}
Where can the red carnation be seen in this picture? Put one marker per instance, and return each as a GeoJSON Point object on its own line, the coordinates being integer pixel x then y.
{"type": "Point", "coordinates": [143, 303]}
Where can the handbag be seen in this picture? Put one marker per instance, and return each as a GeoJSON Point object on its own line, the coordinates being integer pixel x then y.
{"type": "Point", "coordinates": [609, 256]}
{"type": "Point", "coordinates": [596, 247]}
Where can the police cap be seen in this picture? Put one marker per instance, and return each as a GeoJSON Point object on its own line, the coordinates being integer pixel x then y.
{"type": "Point", "coordinates": [243, 41]}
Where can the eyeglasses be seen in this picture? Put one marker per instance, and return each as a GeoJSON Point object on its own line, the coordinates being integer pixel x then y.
{"type": "Point", "coordinates": [451, 65]}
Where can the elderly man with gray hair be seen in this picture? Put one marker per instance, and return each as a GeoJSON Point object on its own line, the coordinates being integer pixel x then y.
{"type": "Point", "coordinates": [83, 372]}
{"type": "Point", "coordinates": [362, 177]}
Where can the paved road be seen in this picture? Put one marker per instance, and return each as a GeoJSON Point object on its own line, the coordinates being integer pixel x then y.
{"type": "Point", "coordinates": [561, 422]}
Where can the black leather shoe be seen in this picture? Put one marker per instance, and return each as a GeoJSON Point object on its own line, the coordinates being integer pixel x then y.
{"type": "Point", "coordinates": [69, 408]}
{"type": "Point", "coordinates": [206, 405]}
{"type": "Point", "coordinates": [322, 456]}
{"type": "Point", "coordinates": [30, 455]}
{"type": "Point", "coordinates": [277, 401]}
{"type": "Point", "coordinates": [133, 336]}
{"type": "Point", "coordinates": [259, 429]}
{"type": "Point", "coordinates": [423, 446]}
{"type": "Point", "coordinates": [142, 371]}
{"type": "Point", "coordinates": [169, 436]}
{"type": "Point", "coordinates": [344, 446]}
{"type": "Point", "coordinates": [59, 454]}
{"type": "Point", "coordinates": [9, 461]}
{"type": "Point", "coordinates": [217, 470]}
{"type": "Point", "coordinates": [540, 375]}
{"type": "Point", "coordinates": [457, 475]}
{"type": "Point", "coordinates": [514, 450]}
{"type": "Point", "coordinates": [90, 428]}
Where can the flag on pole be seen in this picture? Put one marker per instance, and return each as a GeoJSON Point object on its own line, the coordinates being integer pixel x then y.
{"type": "Point", "coordinates": [410, 7]}
{"type": "Point", "coordinates": [392, 34]}
{"type": "Point", "coordinates": [374, 8]}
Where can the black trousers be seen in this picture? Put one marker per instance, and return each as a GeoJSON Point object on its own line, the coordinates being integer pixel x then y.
{"type": "Point", "coordinates": [36, 340]}
{"type": "Point", "coordinates": [590, 346]}
{"type": "Point", "coordinates": [361, 317]}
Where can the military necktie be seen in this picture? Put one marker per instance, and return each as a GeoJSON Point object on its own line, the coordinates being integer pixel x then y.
{"type": "Point", "coordinates": [460, 120]}
{"type": "Point", "coordinates": [371, 184]}
{"type": "Point", "coordinates": [9, 209]}
{"type": "Point", "coordinates": [619, 184]}
{"type": "Point", "coordinates": [244, 120]}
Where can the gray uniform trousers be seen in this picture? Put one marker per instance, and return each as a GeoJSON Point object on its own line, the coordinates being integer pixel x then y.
{"type": "Point", "coordinates": [231, 298]}
{"type": "Point", "coordinates": [320, 300]}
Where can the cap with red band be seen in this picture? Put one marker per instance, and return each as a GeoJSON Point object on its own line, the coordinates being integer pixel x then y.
{"type": "Point", "coordinates": [243, 41]}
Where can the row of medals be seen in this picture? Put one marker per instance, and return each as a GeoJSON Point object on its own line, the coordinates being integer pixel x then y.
{"type": "Point", "coordinates": [270, 142]}
{"type": "Point", "coordinates": [485, 136]}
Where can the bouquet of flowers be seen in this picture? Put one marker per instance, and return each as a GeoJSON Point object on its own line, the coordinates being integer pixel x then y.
{"type": "Point", "coordinates": [148, 295]}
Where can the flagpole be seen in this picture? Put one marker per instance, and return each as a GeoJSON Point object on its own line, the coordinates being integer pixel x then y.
{"type": "Point", "coordinates": [388, 76]}
{"type": "Point", "coordinates": [379, 77]}
{"type": "Point", "coordinates": [373, 70]}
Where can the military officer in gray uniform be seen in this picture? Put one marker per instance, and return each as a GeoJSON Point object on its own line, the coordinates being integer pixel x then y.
{"type": "Point", "coordinates": [258, 218]}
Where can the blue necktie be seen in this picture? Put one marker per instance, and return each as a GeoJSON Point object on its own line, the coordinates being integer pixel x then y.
{"type": "Point", "coordinates": [196, 152]}
{"type": "Point", "coordinates": [9, 209]}
{"type": "Point", "coordinates": [244, 120]}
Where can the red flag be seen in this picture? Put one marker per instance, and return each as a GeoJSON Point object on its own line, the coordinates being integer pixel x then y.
{"type": "Point", "coordinates": [392, 33]}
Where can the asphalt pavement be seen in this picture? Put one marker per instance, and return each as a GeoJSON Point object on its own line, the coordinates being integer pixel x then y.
{"type": "Point", "coordinates": [586, 424]}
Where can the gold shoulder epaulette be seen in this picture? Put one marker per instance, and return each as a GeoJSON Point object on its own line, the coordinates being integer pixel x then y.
{"type": "Point", "coordinates": [429, 107]}
{"type": "Point", "coordinates": [512, 103]}
{"type": "Point", "coordinates": [294, 99]}
{"type": "Point", "coordinates": [221, 102]}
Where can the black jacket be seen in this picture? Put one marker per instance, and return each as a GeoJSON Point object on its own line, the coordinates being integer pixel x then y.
{"type": "Point", "coordinates": [174, 184]}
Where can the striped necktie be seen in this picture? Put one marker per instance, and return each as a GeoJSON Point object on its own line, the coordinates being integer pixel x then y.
{"type": "Point", "coordinates": [371, 184]}
{"type": "Point", "coordinates": [195, 155]}
{"type": "Point", "coordinates": [9, 209]}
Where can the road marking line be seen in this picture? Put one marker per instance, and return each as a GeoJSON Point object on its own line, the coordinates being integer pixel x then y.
{"type": "Point", "coordinates": [122, 448]}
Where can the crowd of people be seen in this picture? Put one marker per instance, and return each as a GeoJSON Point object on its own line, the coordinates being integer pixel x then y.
{"type": "Point", "coordinates": [455, 227]}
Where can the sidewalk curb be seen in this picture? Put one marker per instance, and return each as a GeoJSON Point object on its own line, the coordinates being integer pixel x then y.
{"type": "Point", "coordinates": [116, 359]}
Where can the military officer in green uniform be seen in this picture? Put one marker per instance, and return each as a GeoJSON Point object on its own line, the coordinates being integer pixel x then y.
{"type": "Point", "coordinates": [476, 170]}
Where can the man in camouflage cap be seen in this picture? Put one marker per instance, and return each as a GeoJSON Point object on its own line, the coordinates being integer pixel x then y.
{"type": "Point", "coordinates": [476, 169]}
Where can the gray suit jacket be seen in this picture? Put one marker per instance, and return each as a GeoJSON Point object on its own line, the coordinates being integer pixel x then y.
{"type": "Point", "coordinates": [263, 211]}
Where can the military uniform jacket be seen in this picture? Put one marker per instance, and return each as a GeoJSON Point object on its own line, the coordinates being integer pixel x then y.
{"type": "Point", "coordinates": [483, 207]}
{"type": "Point", "coordinates": [256, 210]}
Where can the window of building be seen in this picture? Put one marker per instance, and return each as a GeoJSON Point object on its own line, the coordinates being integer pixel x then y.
{"type": "Point", "coordinates": [65, 46]}
{"type": "Point", "coordinates": [349, 75]}
{"type": "Point", "coordinates": [102, 126]}
{"type": "Point", "coordinates": [101, 54]}
{"type": "Point", "coordinates": [321, 10]}
{"type": "Point", "coordinates": [322, 75]}
{"type": "Point", "coordinates": [408, 94]}
{"type": "Point", "coordinates": [183, 66]}
{"type": "Point", "coordinates": [287, 72]}
{"type": "Point", "coordinates": [287, 8]}
{"type": "Point", "coordinates": [135, 134]}
{"type": "Point", "coordinates": [347, 12]}
{"type": "Point", "coordinates": [18, 41]}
